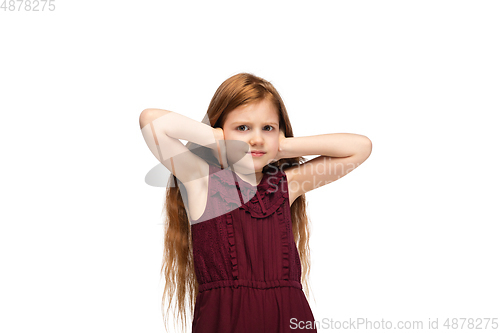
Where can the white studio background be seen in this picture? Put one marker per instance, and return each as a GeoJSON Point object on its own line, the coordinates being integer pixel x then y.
{"type": "Point", "coordinates": [411, 234]}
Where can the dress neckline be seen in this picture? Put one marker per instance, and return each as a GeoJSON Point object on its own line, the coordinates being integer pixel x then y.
{"type": "Point", "coordinates": [268, 183]}
{"type": "Point", "coordinates": [261, 200]}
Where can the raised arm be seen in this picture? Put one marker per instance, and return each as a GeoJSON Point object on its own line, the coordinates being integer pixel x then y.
{"type": "Point", "coordinates": [163, 130]}
{"type": "Point", "coordinates": [340, 154]}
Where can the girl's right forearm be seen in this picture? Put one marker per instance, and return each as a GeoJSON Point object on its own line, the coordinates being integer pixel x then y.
{"type": "Point", "coordinates": [181, 127]}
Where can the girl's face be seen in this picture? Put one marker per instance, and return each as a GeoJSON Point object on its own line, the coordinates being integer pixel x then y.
{"type": "Point", "coordinates": [257, 125]}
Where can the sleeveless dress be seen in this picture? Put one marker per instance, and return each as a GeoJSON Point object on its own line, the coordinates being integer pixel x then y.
{"type": "Point", "coordinates": [245, 258]}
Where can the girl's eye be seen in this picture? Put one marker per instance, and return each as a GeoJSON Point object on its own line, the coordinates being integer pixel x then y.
{"type": "Point", "coordinates": [271, 127]}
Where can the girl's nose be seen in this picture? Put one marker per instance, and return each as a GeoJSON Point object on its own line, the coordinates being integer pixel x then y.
{"type": "Point", "coordinates": [256, 139]}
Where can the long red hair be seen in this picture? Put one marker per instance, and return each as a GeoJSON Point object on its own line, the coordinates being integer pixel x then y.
{"type": "Point", "coordinates": [177, 265]}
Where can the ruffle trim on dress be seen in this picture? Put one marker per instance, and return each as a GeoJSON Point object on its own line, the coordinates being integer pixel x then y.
{"type": "Point", "coordinates": [251, 197]}
{"type": "Point", "coordinates": [284, 245]}
{"type": "Point", "coordinates": [232, 249]}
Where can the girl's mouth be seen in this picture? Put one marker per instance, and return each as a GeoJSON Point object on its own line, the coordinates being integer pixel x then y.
{"type": "Point", "coordinates": [256, 154]}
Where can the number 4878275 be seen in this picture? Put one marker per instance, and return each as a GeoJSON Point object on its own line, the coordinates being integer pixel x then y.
{"type": "Point", "coordinates": [28, 5]}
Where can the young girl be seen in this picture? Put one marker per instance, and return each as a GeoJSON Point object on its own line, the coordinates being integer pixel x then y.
{"type": "Point", "coordinates": [236, 229]}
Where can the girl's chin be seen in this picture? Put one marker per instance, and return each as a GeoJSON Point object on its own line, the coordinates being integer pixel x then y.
{"type": "Point", "coordinates": [246, 168]}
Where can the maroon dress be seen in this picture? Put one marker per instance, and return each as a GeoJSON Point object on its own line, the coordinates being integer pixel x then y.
{"type": "Point", "coordinates": [246, 261]}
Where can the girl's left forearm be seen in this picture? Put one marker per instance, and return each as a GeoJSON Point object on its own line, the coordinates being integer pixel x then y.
{"type": "Point", "coordinates": [334, 145]}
